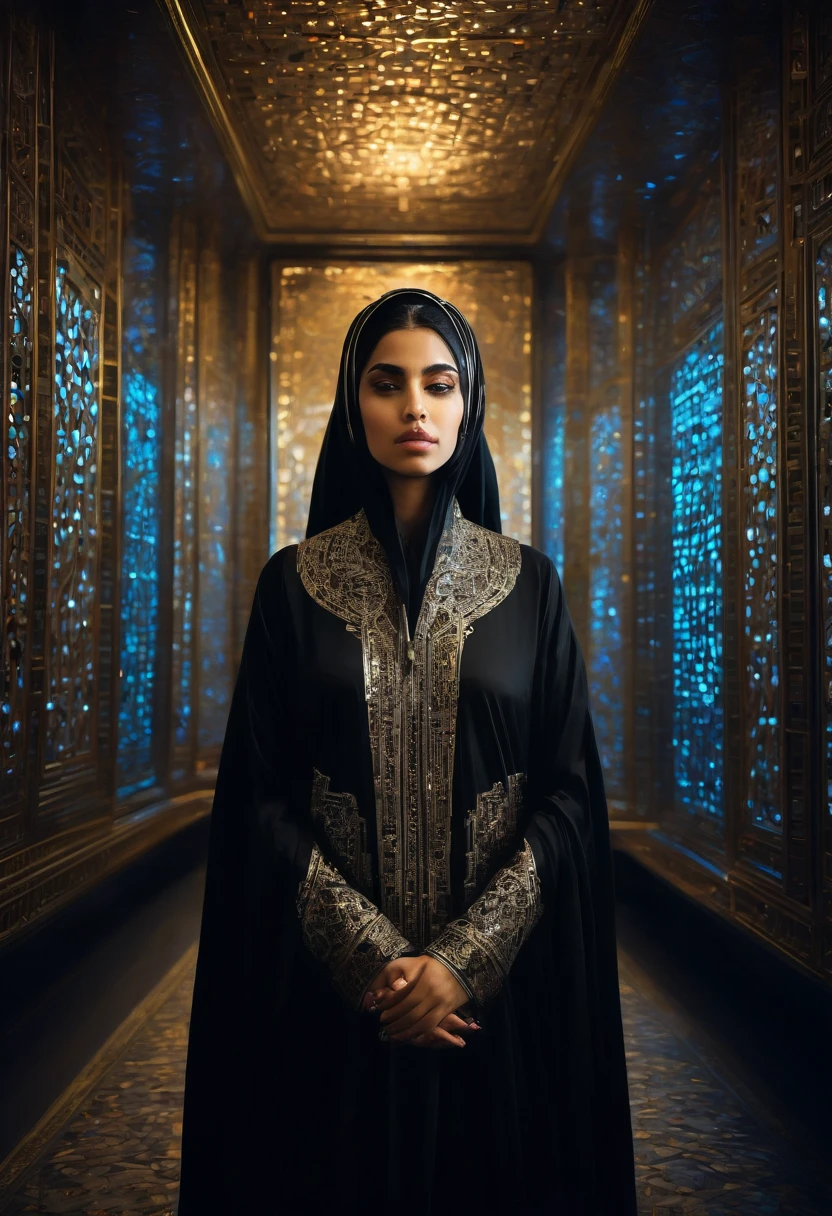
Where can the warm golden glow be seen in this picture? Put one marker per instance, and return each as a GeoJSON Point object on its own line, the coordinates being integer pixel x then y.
{"type": "Point", "coordinates": [313, 308]}
{"type": "Point", "coordinates": [349, 117]}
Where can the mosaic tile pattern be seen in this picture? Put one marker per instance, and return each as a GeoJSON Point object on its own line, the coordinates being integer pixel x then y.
{"type": "Point", "coordinates": [400, 117]}
{"type": "Point", "coordinates": [698, 1150]}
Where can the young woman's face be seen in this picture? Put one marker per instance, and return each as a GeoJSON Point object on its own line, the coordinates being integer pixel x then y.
{"type": "Point", "coordinates": [411, 402]}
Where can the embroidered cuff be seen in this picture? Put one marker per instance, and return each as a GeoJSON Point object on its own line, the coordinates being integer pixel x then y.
{"type": "Point", "coordinates": [480, 947]}
{"type": "Point", "coordinates": [345, 931]}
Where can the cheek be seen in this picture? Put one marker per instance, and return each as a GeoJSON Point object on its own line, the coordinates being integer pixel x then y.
{"type": "Point", "coordinates": [373, 418]}
{"type": "Point", "coordinates": [452, 421]}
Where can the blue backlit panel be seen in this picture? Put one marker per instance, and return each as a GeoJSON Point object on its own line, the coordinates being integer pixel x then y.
{"type": "Point", "coordinates": [696, 486]}
{"type": "Point", "coordinates": [16, 465]}
{"type": "Point", "coordinates": [823, 286]}
{"type": "Point", "coordinates": [606, 598]}
{"type": "Point", "coordinates": [215, 575]}
{"type": "Point", "coordinates": [760, 605]}
{"type": "Point", "coordinates": [554, 442]}
{"type": "Point", "coordinates": [72, 661]}
{"type": "Point", "coordinates": [553, 485]}
{"type": "Point", "coordinates": [185, 517]}
{"type": "Point", "coordinates": [216, 481]}
{"type": "Point", "coordinates": [141, 456]}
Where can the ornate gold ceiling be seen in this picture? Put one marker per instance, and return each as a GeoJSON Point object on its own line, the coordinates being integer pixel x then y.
{"type": "Point", "coordinates": [378, 121]}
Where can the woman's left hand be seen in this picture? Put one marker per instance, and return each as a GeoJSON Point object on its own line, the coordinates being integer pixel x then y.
{"type": "Point", "coordinates": [429, 995]}
{"type": "Point", "coordinates": [447, 1034]}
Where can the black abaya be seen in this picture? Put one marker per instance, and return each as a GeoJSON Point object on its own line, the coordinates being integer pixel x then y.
{"type": "Point", "coordinates": [386, 787]}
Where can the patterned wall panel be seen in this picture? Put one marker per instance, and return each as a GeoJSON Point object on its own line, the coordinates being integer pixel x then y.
{"type": "Point", "coordinates": [607, 504]}
{"type": "Point", "coordinates": [72, 672]}
{"type": "Point", "coordinates": [186, 436]}
{"type": "Point", "coordinates": [313, 306]}
{"type": "Point", "coordinates": [551, 356]}
{"type": "Point", "coordinates": [118, 485]}
{"type": "Point", "coordinates": [17, 435]}
{"type": "Point", "coordinates": [252, 431]}
{"type": "Point", "coordinates": [696, 478]}
{"type": "Point", "coordinates": [214, 617]}
{"type": "Point", "coordinates": [606, 658]}
{"type": "Point", "coordinates": [760, 613]}
{"type": "Point", "coordinates": [823, 292]}
{"type": "Point", "coordinates": [695, 263]}
{"type": "Point", "coordinates": [16, 424]}
{"type": "Point", "coordinates": [142, 438]}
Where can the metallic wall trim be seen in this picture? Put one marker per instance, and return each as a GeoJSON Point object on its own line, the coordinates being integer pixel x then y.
{"type": "Point", "coordinates": [45, 877]}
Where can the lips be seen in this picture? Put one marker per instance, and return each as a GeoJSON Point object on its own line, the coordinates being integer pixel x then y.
{"type": "Point", "coordinates": [417, 439]}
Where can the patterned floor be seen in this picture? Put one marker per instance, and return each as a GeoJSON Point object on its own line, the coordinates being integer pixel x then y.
{"type": "Point", "coordinates": [699, 1150]}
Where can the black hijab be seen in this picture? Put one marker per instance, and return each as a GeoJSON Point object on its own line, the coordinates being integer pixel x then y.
{"type": "Point", "coordinates": [348, 478]}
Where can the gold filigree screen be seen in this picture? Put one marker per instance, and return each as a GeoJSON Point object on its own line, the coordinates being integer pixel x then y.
{"type": "Point", "coordinates": [311, 312]}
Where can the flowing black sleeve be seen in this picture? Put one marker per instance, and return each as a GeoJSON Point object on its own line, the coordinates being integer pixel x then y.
{"type": "Point", "coordinates": [341, 927]}
{"type": "Point", "coordinates": [568, 819]}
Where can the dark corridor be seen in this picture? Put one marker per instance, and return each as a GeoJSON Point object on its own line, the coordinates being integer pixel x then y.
{"type": "Point", "coordinates": [722, 1122]}
{"type": "Point", "coordinates": [631, 201]}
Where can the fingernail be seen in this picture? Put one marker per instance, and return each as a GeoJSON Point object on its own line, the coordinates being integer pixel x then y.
{"type": "Point", "coordinates": [475, 1026]}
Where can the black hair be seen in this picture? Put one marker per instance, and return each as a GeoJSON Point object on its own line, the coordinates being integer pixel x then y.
{"type": "Point", "coordinates": [397, 314]}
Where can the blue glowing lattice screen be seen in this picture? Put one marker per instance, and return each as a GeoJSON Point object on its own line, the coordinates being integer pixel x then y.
{"type": "Point", "coordinates": [554, 447]}
{"type": "Point", "coordinates": [214, 578]}
{"type": "Point", "coordinates": [696, 484]}
{"type": "Point", "coordinates": [823, 271]}
{"type": "Point", "coordinates": [16, 461]}
{"type": "Point", "coordinates": [140, 464]}
{"type": "Point", "coordinates": [759, 507]}
{"type": "Point", "coordinates": [185, 518]}
{"type": "Point", "coordinates": [214, 614]}
{"type": "Point", "coordinates": [606, 549]}
{"type": "Point", "coordinates": [72, 666]}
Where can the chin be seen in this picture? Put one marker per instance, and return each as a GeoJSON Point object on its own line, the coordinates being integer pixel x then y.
{"type": "Point", "coordinates": [411, 469]}
{"type": "Point", "coordinates": [412, 465]}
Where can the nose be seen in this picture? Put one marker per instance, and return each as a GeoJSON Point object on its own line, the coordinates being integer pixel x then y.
{"type": "Point", "coordinates": [413, 405]}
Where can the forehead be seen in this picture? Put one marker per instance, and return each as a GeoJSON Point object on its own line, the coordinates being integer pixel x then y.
{"type": "Point", "coordinates": [412, 348]}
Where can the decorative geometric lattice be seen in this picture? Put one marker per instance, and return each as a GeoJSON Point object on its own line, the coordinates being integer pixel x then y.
{"type": "Point", "coordinates": [140, 468]}
{"type": "Point", "coordinates": [16, 464]}
{"type": "Point", "coordinates": [72, 663]}
{"type": "Point", "coordinates": [823, 272]}
{"type": "Point", "coordinates": [606, 592]}
{"type": "Point", "coordinates": [760, 615]}
{"type": "Point", "coordinates": [554, 456]}
{"type": "Point", "coordinates": [314, 308]}
{"type": "Point", "coordinates": [695, 264]}
{"type": "Point", "coordinates": [696, 485]}
{"type": "Point", "coordinates": [185, 510]}
{"type": "Point", "coordinates": [216, 464]}
{"type": "Point", "coordinates": [603, 325]}
{"type": "Point", "coordinates": [758, 133]}
{"type": "Point", "coordinates": [396, 117]}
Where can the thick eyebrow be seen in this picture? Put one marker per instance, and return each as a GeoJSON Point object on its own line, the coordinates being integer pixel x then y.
{"type": "Point", "coordinates": [393, 370]}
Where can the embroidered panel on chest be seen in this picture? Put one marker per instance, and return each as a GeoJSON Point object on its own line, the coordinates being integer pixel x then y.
{"type": "Point", "coordinates": [412, 694]}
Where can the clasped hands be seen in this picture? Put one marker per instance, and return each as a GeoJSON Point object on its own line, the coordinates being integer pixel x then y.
{"type": "Point", "coordinates": [417, 999]}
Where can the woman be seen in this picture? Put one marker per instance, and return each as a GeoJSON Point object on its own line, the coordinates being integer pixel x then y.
{"type": "Point", "coordinates": [407, 988]}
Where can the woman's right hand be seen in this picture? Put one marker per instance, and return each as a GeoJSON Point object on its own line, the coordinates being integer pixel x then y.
{"type": "Point", "coordinates": [446, 1034]}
